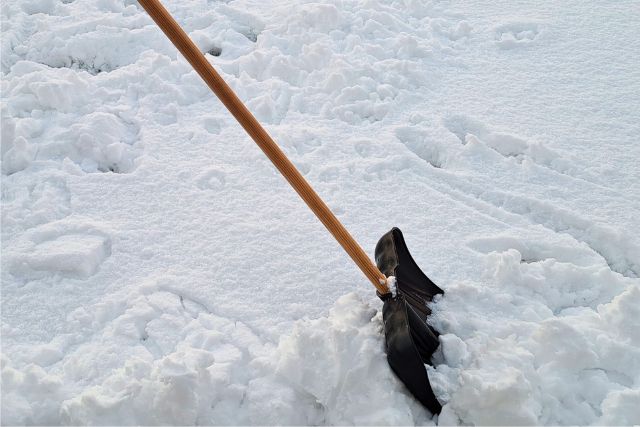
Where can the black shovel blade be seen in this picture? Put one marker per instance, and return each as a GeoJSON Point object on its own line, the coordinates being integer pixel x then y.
{"type": "Point", "coordinates": [410, 341]}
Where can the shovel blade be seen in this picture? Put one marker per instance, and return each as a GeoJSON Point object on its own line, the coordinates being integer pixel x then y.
{"type": "Point", "coordinates": [410, 341]}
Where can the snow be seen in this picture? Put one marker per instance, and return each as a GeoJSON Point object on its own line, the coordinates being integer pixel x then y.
{"type": "Point", "coordinates": [157, 270]}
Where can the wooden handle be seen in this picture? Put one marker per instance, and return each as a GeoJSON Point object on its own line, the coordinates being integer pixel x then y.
{"type": "Point", "coordinates": [197, 60]}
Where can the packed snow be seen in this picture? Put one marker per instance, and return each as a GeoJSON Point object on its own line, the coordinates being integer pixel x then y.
{"type": "Point", "coordinates": [156, 269]}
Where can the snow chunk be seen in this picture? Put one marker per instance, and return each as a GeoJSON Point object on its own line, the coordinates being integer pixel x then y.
{"type": "Point", "coordinates": [29, 395]}
{"type": "Point", "coordinates": [346, 350]}
{"type": "Point", "coordinates": [71, 247]}
{"type": "Point", "coordinates": [621, 408]}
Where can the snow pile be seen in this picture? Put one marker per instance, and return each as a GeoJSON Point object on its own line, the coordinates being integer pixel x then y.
{"type": "Point", "coordinates": [157, 270]}
{"type": "Point", "coordinates": [347, 351]}
{"type": "Point", "coordinates": [185, 365]}
{"type": "Point", "coordinates": [99, 141]}
{"type": "Point", "coordinates": [554, 355]}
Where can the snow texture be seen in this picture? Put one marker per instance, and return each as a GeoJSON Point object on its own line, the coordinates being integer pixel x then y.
{"type": "Point", "coordinates": [157, 270]}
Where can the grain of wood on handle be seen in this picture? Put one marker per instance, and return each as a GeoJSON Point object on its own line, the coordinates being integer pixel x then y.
{"type": "Point", "coordinates": [197, 60]}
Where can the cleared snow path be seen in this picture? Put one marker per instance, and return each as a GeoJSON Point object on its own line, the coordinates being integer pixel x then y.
{"type": "Point", "coordinates": [157, 270]}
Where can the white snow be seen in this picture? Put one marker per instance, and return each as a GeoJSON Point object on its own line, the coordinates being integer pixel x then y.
{"type": "Point", "coordinates": [157, 270]}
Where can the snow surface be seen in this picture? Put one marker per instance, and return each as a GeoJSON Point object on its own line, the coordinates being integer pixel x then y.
{"type": "Point", "coordinates": [157, 270]}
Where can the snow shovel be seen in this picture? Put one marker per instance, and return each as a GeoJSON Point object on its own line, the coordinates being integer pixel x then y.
{"type": "Point", "coordinates": [410, 341]}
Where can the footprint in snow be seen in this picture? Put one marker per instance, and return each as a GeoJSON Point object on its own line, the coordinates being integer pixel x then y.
{"type": "Point", "coordinates": [451, 31]}
{"type": "Point", "coordinates": [368, 148]}
{"type": "Point", "coordinates": [213, 179]}
{"type": "Point", "coordinates": [304, 142]}
{"type": "Point", "coordinates": [31, 204]}
{"type": "Point", "coordinates": [329, 174]}
{"type": "Point", "coordinates": [471, 131]}
{"type": "Point", "coordinates": [416, 141]}
{"type": "Point", "coordinates": [517, 34]}
{"type": "Point", "coordinates": [461, 126]}
{"type": "Point", "coordinates": [211, 125]}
